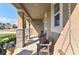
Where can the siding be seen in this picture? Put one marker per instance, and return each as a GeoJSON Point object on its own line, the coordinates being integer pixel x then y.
{"type": "Point", "coordinates": [63, 40]}
{"type": "Point", "coordinates": [65, 13]}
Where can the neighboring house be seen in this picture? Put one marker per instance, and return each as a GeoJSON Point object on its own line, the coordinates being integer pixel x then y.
{"type": "Point", "coordinates": [8, 26]}
{"type": "Point", "coordinates": [2, 25]}
{"type": "Point", "coordinates": [59, 20]}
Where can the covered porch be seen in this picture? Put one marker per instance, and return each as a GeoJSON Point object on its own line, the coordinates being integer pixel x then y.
{"type": "Point", "coordinates": [59, 21]}
{"type": "Point", "coordinates": [31, 20]}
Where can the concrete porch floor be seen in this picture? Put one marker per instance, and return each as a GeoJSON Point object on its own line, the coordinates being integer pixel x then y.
{"type": "Point", "coordinates": [30, 49]}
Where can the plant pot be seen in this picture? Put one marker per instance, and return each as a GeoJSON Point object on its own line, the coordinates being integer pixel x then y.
{"type": "Point", "coordinates": [10, 51]}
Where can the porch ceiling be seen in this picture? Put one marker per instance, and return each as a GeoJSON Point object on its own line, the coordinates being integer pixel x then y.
{"type": "Point", "coordinates": [36, 10]}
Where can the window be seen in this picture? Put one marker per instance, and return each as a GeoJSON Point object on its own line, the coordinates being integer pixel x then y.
{"type": "Point", "coordinates": [57, 15]}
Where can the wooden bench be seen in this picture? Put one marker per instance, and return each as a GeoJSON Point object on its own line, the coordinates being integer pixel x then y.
{"type": "Point", "coordinates": [46, 45]}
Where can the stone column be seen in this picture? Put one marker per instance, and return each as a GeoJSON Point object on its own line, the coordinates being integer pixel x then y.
{"type": "Point", "coordinates": [20, 35]}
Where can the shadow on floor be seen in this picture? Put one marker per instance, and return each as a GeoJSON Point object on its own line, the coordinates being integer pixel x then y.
{"type": "Point", "coordinates": [41, 53]}
{"type": "Point", "coordinates": [25, 52]}
{"type": "Point", "coordinates": [30, 42]}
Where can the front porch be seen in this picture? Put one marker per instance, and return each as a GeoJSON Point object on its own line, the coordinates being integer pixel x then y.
{"type": "Point", "coordinates": [54, 19]}
{"type": "Point", "coordinates": [29, 49]}
{"type": "Point", "coordinates": [31, 21]}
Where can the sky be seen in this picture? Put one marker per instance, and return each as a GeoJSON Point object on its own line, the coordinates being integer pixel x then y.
{"type": "Point", "coordinates": [8, 13]}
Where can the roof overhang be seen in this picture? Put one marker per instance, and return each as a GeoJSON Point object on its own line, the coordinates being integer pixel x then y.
{"type": "Point", "coordinates": [34, 10]}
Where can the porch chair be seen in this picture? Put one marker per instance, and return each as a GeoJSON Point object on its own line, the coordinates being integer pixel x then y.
{"type": "Point", "coordinates": [49, 47]}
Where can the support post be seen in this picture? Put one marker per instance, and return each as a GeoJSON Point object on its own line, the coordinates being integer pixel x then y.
{"type": "Point", "coordinates": [29, 29]}
{"type": "Point", "coordinates": [20, 35]}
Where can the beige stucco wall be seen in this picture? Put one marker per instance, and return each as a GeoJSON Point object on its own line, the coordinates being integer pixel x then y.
{"type": "Point", "coordinates": [47, 22]}
{"type": "Point", "coordinates": [61, 42]}
{"type": "Point", "coordinates": [36, 26]}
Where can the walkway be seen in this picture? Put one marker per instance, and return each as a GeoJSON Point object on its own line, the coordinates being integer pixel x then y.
{"type": "Point", "coordinates": [30, 49]}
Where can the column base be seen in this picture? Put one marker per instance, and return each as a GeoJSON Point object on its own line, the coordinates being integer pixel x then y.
{"type": "Point", "coordinates": [19, 38]}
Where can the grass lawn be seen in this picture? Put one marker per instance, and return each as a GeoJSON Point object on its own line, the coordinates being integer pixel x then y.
{"type": "Point", "coordinates": [2, 36]}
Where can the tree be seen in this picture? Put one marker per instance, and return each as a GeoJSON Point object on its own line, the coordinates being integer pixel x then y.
{"type": "Point", "coordinates": [14, 26]}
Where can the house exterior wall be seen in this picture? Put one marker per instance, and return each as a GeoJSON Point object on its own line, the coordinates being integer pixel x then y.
{"type": "Point", "coordinates": [36, 26]}
{"type": "Point", "coordinates": [65, 13]}
{"type": "Point", "coordinates": [64, 37]}
{"type": "Point", "coordinates": [47, 22]}
{"type": "Point", "coordinates": [75, 27]}
{"type": "Point", "coordinates": [60, 35]}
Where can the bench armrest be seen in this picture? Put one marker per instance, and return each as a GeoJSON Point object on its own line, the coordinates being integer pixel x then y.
{"type": "Point", "coordinates": [44, 44]}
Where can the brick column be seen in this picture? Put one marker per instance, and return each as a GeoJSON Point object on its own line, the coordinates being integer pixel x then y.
{"type": "Point", "coordinates": [20, 30]}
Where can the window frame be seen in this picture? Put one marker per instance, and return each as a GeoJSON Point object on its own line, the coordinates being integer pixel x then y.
{"type": "Point", "coordinates": [56, 29]}
{"type": "Point", "coordinates": [55, 14]}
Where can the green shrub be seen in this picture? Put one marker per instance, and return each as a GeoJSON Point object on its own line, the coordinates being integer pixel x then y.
{"type": "Point", "coordinates": [10, 39]}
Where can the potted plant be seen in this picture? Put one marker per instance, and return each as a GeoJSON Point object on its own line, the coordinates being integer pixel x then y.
{"type": "Point", "coordinates": [10, 47]}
